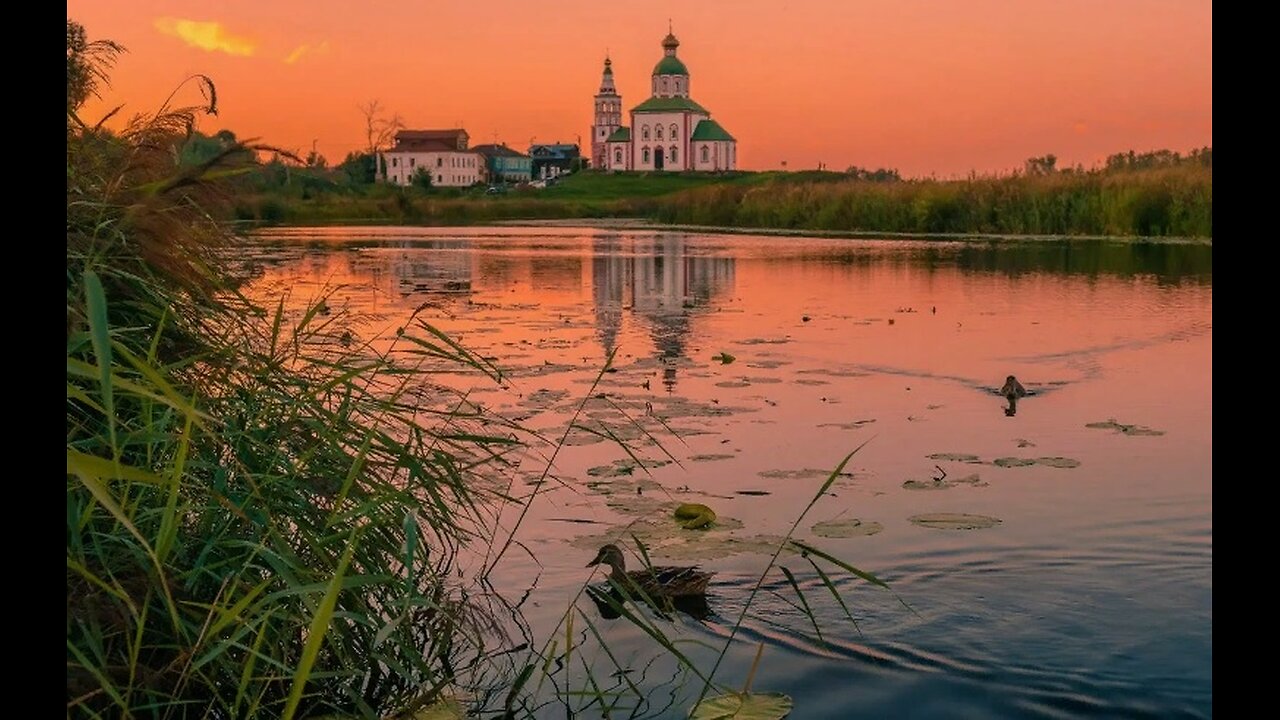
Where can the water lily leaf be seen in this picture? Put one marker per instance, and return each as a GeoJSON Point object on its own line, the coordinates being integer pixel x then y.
{"type": "Point", "coordinates": [749, 706]}
{"type": "Point", "coordinates": [1058, 462]}
{"type": "Point", "coordinates": [693, 516]}
{"type": "Point", "coordinates": [954, 521]}
{"type": "Point", "coordinates": [845, 528]}
{"type": "Point", "coordinates": [1122, 428]}
{"type": "Point", "coordinates": [956, 457]}
{"type": "Point", "coordinates": [1013, 462]}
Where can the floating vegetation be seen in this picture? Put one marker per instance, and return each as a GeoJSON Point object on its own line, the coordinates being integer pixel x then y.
{"type": "Point", "coordinates": [973, 480]}
{"type": "Point", "coordinates": [543, 398]}
{"type": "Point", "coordinates": [1122, 428]}
{"type": "Point", "coordinates": [763, 380]}
{"type": "Point", "coordinates": [845, 528]}
{"type": "Point", "coordinates": [833, 372]}
{"type": "Point", "coordinates": [763, 341]}
{"type": "Point", "coordinates": [724, 358]}
{"type": "Point", "coordinates": [808, 381]}
{"type": "Point", "coordinates": [743, 706]}
{"type": "Point", "coordinates": [694, 516]}
{"type": "Point", "coordinates": [619, 468]}
{"type": "Point", "coordinates": [711, 457]}
{"type": "Point", "coordinates": [849, 425]}
{"type": "Point", "coordinates": [752, 492]}
{"type": "Point", "coordinates": [805, 474]}
{"type": "Point", "coordinates": [733, 384]}
{"type": "Point", "coordinates": [767, 364]}
{"type": "Point", "coordinates": [1013, 462]}
{"type": "Point", "coordinates": [955, 457]}
{"type": "Point", "coordinates": [954, 521]}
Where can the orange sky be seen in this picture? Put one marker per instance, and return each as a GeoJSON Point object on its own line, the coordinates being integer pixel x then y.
{"type": "Point", "coordinates": [924, 86]}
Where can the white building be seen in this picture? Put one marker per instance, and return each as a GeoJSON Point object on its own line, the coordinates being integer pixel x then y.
{"type": "Point", "coordinates": [443, 153]}
{"type": "Point", "coordinates": [669, 131]}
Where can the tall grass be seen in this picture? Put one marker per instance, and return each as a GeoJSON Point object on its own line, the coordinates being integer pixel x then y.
{"type": "Point", "coordinates": [264, 509]}
{"type": "Point", "coordinates": [1166, 201]}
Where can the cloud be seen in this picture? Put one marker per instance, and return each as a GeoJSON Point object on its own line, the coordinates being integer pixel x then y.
{"type": "Point", "coordinates": [209, 36]}
{"type": "Point", "coordinates": [306, 49]}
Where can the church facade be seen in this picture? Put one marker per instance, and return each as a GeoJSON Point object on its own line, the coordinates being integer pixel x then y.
{"type": "Point", "coordinates": [668, 132]}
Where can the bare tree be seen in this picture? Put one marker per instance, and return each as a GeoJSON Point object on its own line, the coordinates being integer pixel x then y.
{"type": "Point", "coordinates": [379, 129]}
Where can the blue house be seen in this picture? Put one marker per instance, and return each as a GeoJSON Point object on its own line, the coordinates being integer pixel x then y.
{"type": "Point", "coordinates": [553, 160]}
{"type": "Point", "coordinates": [504, 165]}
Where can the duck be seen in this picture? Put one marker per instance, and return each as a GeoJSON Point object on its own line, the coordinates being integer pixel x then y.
{"type": "Point", "coordinates": [1012, 388]}
{"type": "Point", "coordinates": [668, 582]}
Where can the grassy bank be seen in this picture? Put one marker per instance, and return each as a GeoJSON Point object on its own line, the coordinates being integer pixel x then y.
{"type": "Point", "coordinates": [1174, 200]}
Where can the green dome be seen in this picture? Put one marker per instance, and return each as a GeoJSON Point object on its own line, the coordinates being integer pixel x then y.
{"type": "Point", "coordinates": [670, 65]}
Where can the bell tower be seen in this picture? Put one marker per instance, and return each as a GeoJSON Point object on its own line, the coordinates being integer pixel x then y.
{"type": "Point", "coordinates": [608, 115]}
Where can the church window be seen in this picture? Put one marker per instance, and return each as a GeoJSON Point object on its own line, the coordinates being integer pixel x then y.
{"type": "Point", "coordinates": [658, 132]}
{"type": "Point", "coordinates": [664, 84]}
{"type": "Point", "coordinates": [704, 153]}
{"type": "Point", "coordinates": [395, 162]}
{"type": "Point", "coordinates": [673, 131]}
{"type": "Point", "coordinates": [645, 155]}
{"type": "Point", "coordinates": [644, 132]}
{"type": "Point", "coordinates": [677, 84]}
{"type": "Point", "coordinates": [617, 156]}
{"type": "Point", "coordinates": [673, 153]}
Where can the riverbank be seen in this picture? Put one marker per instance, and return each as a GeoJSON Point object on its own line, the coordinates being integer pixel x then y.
{"type": "Point", "coordinates": [1173, 201]}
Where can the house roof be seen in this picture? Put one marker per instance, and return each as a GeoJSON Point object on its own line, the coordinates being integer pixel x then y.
{"type": "Point", "coordinates": [491, 150]}
{"type": "Point", "coordinates": [670, 104]}
{"type": "Point", "coordinates": [431, 134]}
{"type": "Point", "coordinates": [620, 135]}
{"type": "Point", "coordinates": [555, 150]}
{"type": "Point", "coordinates": [405, 146]}
{"type": "Point", "coordinates": [710, 130]}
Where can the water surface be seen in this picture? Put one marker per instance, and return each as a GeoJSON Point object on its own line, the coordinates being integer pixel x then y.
{"type": "Point", "coordinates": [1091, 595]}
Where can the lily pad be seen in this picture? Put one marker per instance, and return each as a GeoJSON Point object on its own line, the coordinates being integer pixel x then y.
{"type": "Point", "coordinates": [955, 457]}
{"type": "Point", "coordinates": [748, 706]}
{"type": "Point", "coordinates": [974, 480]}
{"type": "Point", "coordinates": [845, 528]}
{"type": "Point", "coordinates": [712, 456]}
{"type": "Point", "coordinates": [954, 521]}
{"type": "Point", "coordinates": [694, 516]}
{"type": "Point", "coordinates": [809, 381]}
{"type": "Point", "coordinates": [1058, 462]}
{"type": "Point", "coordinates": [1012, 462]}
{"type": "Point", "coordinates": [733, 384]}
{"type": "Point", "coordinates": [1122, 428]}
{"type": "Point", "coordinates": [847, 426]}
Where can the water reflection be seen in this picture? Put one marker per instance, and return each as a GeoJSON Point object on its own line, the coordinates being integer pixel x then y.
{"type": "Point", "coordinates": [1095, 333]}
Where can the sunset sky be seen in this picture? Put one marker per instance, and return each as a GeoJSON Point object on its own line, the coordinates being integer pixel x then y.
{"type": "Point", "coordinates": [925, 86]}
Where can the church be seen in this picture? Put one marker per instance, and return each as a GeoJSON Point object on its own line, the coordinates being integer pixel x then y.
{"type": "Point", "coordinates": [669, 131]}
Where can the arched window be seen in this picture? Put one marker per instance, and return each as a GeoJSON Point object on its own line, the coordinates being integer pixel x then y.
{"type": "Point", "coordinates": [644, 132]}
{"type": "Point", "coordinates": [704, 153]}
{"type": "Point", "coordinates": [673, 154]}
{"type": "Point", "coordinates": [617, 156]}
{"type": "Point", "coordinates": [664, 84]}
{"type": "Point", "coordinates": [677, 84]}
{"type": "Point", "coordinates": [673, 131]}
{"type": "Point", "coordinates": [658, 132]}
{"type": "Point", "coordinates": [645, 155]}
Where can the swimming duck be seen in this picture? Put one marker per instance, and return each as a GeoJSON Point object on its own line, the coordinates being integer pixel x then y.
{"type": "Point", "coordinates": [656, 582]}
{"type": "Point", "coordinates": [1012, 388]}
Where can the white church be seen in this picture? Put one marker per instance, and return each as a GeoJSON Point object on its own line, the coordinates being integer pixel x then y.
{"type": "Point", "coordinates": [669, 131]}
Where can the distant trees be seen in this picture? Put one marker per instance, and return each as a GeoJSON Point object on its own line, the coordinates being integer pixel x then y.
{"type": "Point", "coordinates": [877, 175]}
{"type": "Point", "coordinates": [1045, 165]}
{"type": "Point", "coordinates": [359, 168]}
{"type": "Point", "coordinates": [421, 179]}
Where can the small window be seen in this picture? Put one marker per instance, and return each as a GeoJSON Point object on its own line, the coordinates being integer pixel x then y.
{"type": "Point", "coordinates": [644, 132]}
{"type": "Point", "coordinates": [411, 162]}
{"type": "Point", "coordinates": [645, 155]}
{"type": "Point", "coordinates": [440, 178]}
{"type": "Point", "coordinates": [658, 132]}
{"type": "Point", "coordinates": [617, 156]}
{"type": "Point", "coordinates": [673, 131]}
{"type": "Point", "coordinates": [704, 153]}
{"type": "Point", "coordinates": [673, 153]}
{"type": "Point", "coordinates": [439, 162]}
{"type": "Point", "coordinates": [677, 84]}
{"type": "Point", "coordinates": [395, 162]}
{"type": "Point", "coordinates": [664, 84]}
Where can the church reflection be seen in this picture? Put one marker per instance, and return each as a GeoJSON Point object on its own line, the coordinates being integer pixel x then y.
{"type": "Point", "coordinates": [656, 280]}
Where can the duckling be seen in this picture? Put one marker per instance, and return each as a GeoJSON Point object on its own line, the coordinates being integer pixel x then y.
{"type": "Point", "coordinates": [656, 582]}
